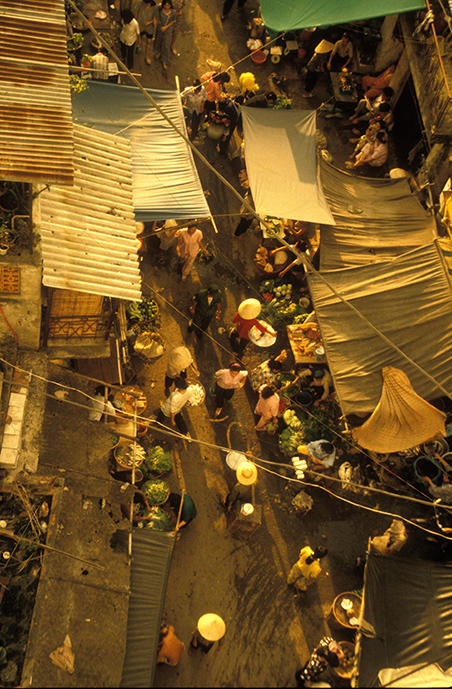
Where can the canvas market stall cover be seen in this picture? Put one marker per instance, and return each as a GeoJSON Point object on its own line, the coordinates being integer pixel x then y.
{"type": "Point", "coordinates": [281, 162]}
{"type": "Point", "coordinates": [407, 621]}
{"type": "Point", "coordinates": [164, 177]}
{"type": "Point", "coordinates": [289, 15]}
{"type": "Point", "coordinates": [403, 291]}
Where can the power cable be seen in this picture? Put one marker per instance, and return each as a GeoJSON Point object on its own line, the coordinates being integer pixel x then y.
{"type": "Point", "coordinates": [170, 432]}
{"type": "Point", "coordinates": [355, 504]}
{"type": "Point", "coordinates": [301, 259]}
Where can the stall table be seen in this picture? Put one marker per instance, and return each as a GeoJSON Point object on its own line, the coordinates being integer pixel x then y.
{"type": "Point", "coordinates": [350, 97]}
{"type": "Point", "coordinates": [300, 341]}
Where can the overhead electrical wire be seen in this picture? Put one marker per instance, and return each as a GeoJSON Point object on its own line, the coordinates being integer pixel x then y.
{"type": "Point", "coordinates": [300, 257]}
{"type": "Point", "coordinates": [258, 460]}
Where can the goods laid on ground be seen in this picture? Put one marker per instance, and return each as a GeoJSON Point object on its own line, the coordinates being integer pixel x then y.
{"type": "Point", "coordinates": [281, 307]}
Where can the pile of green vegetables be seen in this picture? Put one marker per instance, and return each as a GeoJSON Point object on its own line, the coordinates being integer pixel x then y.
{"type": "Point", "coordinates": [303, 428]}
{"type": "Point", "coordinates": [157, 461]}
{"type": "Point", "coordinates": [144, 313]}
{"type": "Point", "coordinates": [156, 491]}
{"type": "Point", "coordinates": [280, 308]}
{"type": "Point", "coordinates": [160, 521]}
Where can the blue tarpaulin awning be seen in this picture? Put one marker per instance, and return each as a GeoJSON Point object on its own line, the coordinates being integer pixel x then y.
{"type": "Point", "coordinates": [289, 15]}
{"type": "Point", "coordinates": [164, 177]}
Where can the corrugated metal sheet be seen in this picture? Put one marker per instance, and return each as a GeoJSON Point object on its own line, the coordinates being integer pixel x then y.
{"type": "Point", "coordinates": [88, 230]}
{"type": "Point", "coordinates": [36, 141]}
{"type": "Point", "coordinates": [151, 559]}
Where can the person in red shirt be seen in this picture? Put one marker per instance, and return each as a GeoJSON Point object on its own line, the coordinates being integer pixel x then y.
{"type": "Point", "coordinates": [240, 336]}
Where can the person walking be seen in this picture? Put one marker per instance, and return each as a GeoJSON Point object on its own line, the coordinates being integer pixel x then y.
{"type": "Point", "coordinates": [316, 65]}
{"type": "Point", "coordinates": [205, 305]}
{"type": "Point", "coordinates": [189, 242]}
{"type": "Point", "coordinates": [214, 82]}
{"type": "Point", "coordinates": [166, 20]}
{"type": "Point", "coordinates": [179, 361]}
{"type": "Point", "coordinates": [178, 5]}
{"type": "Point", "coordinates": [210, 628]}
{"type": "Point", "coordinates": [129, 36]}
{"type": "Point", "coordinates": [227, 7]}
{"type": "Point", "coordinates": [194, 98]}
{"type": "Point", "coordinates": [245, 319]}
{"type": "Point", "coordinates": [171, 408]}
{"type": "Point", "coordinates": [307, 567]}
{"type": "Point", "coordinates": [246, 218]}
{"type": "Point", "coordinates": [267, 409]}
{"type": "Point", "coordinates": [227, 381]}
{"type": "Point", "coordinates": [145, 12]}
{"type": "Point", "coordinates": [228, 108]}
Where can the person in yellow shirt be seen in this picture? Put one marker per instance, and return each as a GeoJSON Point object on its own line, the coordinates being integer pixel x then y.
{"type": "Point", "coordinates": [307, 568]}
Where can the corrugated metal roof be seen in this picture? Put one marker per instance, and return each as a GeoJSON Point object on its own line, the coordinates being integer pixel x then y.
{"type": "Point", "coordinates": [36, 141]}
{"type": "Point", "coordinates": [151, 559]}
{"type": "Point", "coordinates": [88, 230]}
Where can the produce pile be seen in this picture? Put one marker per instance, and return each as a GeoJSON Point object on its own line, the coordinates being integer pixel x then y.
{"type": "Point", "coordinates": [303, 428]}
{"type": "Point", "coordinates": [198, 395]}
{"type": "Point", "coordinates": [280, 307]}
{"type": "Point", "coordinates": [157, 461]}
{"type": "Point", "coordinates": [156, 491]}
{"type": "Point", "coordinates": [160, 520]}
{"type": "Point", "coordinates": [206, 254]}
{"type": "Point", "coordinates": [144, 313]}
{"type": "Point", "coordinates": [128, 455]}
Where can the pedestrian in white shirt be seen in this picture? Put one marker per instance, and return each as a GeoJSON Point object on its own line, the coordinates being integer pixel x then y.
{"type": "Point", "coordinates": [130, 34]}
{"type": "Point", "coordinates": [189, 242]}
{"type": "Point", "coordinates": [227, 381]}
{"type": "Point", "coordinates": [170, 412]}
{"type": "Point", "coordinates": [100, 406]}
{"type": "Point", "coordinates": [100, 65]}
{"type": "Point", "coordinates": [194, 97]}
{"type": "Point", "coordinates": [145, 12]}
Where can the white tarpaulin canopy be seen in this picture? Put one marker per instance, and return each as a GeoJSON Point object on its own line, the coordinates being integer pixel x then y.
{"type": "Point", "coordinates": [281, 162]}
{"type": "Point", "coordinates": [164, 176]}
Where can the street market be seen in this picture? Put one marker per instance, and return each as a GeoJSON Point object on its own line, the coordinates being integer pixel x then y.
{"type": "Point", "coordinates": [225, 373]}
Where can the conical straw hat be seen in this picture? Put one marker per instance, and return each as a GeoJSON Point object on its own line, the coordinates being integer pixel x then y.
{"type": "Point", "coordinates": [249, 308]}
{"type": "Point", "coordinates": [211, 626]}
{"type": "Point", "coordinates": [323, 47]}
{"type": "Point", "coordinates": [246, 473]}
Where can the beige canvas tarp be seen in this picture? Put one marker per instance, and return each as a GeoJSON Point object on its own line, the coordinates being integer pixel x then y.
{"type": "Point", "coordinates": [376, 219]}
{"type": "Point", "coordinates": [408, 298]}
{"type": "Point", "coordinates": [281, 162]}
{"type": "Point", "coordinates": [382, 256]}
{"type": "Point", "coordinates": [401, 418]}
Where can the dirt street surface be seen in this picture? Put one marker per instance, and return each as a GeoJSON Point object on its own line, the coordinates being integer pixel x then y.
{"type": "Point", "coordinates": [269, 631]}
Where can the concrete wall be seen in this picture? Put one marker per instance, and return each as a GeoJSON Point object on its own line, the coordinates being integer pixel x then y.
{"type": "Point", "coordinates": [23, 310]}
{"type": "Point", "coordinates": [389, 48]}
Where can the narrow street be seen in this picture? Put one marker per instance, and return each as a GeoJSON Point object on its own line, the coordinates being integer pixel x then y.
{"type": "Point", "coordinates": [85, 585]}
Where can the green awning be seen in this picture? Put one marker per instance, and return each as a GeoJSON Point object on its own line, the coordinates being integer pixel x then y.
{"type": "Point", "coordinates": [289, 15]}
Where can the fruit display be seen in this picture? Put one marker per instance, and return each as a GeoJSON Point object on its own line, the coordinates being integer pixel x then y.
{"type": "Point", "coordinates": [144, 312]}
